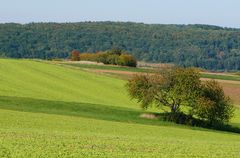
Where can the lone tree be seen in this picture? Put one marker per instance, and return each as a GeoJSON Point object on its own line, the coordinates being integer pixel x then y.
{"type": "Point", "coordinates": [179, 87]}
{"type": "Point", "coordinates": [173, 88]}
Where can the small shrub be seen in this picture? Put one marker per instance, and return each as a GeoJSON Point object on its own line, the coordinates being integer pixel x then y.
{"type": "Point", "coordinates": [213, 105]}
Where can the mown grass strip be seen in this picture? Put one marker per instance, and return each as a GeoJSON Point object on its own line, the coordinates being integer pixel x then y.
{"type": "Point", "coordinates": [108, 67]}
{"type": "Point", "coordinates": [220, 77]}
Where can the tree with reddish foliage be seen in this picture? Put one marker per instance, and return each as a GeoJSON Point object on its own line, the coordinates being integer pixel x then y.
{"type": "Point", "coordinates": [75, 55]}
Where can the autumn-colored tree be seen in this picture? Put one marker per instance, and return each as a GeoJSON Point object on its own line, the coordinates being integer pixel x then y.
{"type": "Point", "coordinates": [75, 55]}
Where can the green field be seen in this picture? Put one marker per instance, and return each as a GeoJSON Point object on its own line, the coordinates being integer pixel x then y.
{"type": "Point", "coordinates": [48, 110]}
{"type": "Point", "coordinates": [221, 77]}
{"type": "Point", "coordinates": [110, 67]}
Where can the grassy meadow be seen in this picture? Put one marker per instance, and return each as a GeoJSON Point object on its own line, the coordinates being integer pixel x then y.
{"type": "Point", "coordinates": [110, 67]}
{"type": "Point", "coordinates": [49, 110]}
{"type": "Point", "coordinates": [221, 77]}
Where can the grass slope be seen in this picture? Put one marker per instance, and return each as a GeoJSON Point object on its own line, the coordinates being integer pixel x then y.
{"type": "Point", "coordinates": [41, 135]}
{"type": "Point", "coordinates": [53, 111]}
{"type": "Point", "coordinates": [25, 78]}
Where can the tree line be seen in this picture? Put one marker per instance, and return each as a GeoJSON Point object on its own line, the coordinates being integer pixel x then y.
{"type": "Point", "coordinates": [209, 47]}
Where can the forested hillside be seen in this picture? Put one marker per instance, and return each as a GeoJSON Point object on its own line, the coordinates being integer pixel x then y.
{"type": "Point", "coordinates": [209, 47]}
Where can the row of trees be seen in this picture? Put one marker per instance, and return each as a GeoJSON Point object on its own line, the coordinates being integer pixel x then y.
{"type": "Point", "coordinates": [113, 57]}
{"type": "Point", "coordinates": [182, 91]}
{"type": "Point", "coordinates": [209, 47]}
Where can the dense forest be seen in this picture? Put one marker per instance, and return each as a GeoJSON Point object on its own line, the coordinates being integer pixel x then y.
{"type": "Point", "coordinates": [209, 47]}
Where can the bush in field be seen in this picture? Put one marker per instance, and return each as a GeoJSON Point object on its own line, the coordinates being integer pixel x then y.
{"type": "Point", "coordinates": [75, 55]}
{"type": "Point", "coordinates": [179, 87]}
{"type": "Point", "coordinates": [127, 60]}
{"type": "Point", "coordinates": [112, 59]}
{"type": "Point", "coordinates": [213, 105]}
{"type": "Point", "coordinates": [101, 57]}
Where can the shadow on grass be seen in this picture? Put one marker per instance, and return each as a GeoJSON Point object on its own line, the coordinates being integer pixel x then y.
{"type": "Point", "coordinates": [181, 118]}
{"type": "Point", "coordinates": [95, 111]}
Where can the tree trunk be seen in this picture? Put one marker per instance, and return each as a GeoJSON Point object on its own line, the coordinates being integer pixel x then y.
{"type": "Point", "coordinates": [173, 108]}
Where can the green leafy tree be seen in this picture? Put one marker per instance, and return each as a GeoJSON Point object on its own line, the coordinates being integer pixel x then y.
{"type": "Point", "coordinates": [172, 88]}
{"type": "Point", "coordinates": [180, 87]}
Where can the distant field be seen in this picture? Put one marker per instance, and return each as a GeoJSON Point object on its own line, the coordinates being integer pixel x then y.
{"type": "Point", "coordinates": [230, 82]}
{"type": "Point", "coordinates": [109, 67]}
{"type": "Point", "coordinates": [221, 77]}
{"type": "Point", "coordinates": [51, 110]}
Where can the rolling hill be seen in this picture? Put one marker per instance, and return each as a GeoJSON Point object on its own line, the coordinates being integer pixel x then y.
{"type": "Point", "coordinates": [51, 110]}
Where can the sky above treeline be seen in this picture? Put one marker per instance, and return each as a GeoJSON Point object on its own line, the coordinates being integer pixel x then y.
{"type": "Point", "coordinates": [224, 13]}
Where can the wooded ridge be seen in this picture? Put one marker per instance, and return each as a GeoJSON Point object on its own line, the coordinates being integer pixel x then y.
{"type": "Point", "coordinates": [209, 47]}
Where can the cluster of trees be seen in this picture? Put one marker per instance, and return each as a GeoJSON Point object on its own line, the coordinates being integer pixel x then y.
{"type": "Point", "coordinates": [182, 91]}
{"type": "Point", "coordinates": [113, 57]}
{"type": "Point", "coordinates": [209, 47]}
